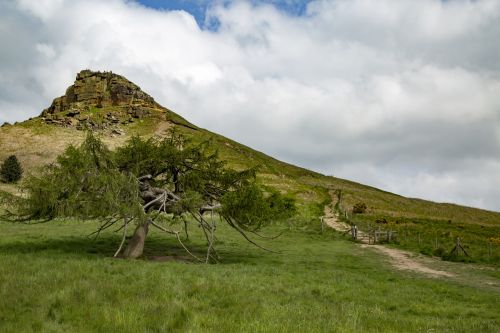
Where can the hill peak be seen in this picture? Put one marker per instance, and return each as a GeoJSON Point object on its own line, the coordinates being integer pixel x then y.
{"type": "Point", "coordinates": [100, 89]}
{"type": "Point", "coordinates": [99, 100]}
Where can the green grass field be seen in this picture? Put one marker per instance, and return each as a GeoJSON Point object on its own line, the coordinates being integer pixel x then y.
{"type": "Point", "coordinates": [54, 279]}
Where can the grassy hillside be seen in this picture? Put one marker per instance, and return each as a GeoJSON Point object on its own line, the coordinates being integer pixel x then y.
{"type": "Point", "coordinates": [36, 143]}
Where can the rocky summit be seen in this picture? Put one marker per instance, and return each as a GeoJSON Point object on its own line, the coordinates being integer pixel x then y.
{"type": "Point", "coordinates": [119, 99]}
{"type": "Point", "coordinates": [100, 89]}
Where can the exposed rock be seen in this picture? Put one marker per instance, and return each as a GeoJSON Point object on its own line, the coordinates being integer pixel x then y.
{"type": "Point", "coordinates": [112, 118]}
{"type": "Point", "coordinates": [138, 112]}
{"type": "Point", "coordinates": [116, 131]}
{"type": "Point", "coordinates": [120, 101]}
{"type": "Point", "coordinates": [72, 122]}
{"type": "Point", "coordinates": [73, 113]}
{"type": "Point", "coordinates": [100, 89]}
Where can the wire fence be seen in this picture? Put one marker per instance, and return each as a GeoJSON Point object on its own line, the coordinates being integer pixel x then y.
{"type": "Point", "coordinates": [447, 243]}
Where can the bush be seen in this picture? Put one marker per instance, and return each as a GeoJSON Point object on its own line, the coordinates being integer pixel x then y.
{"type": "Point", "coordinates": [11, 170]}
{"type": "Point", "coordinates": [359, 208]}
{"type": "Point", "coordinates": [427, 250]}
{"type": "Point", "coordinates": [440, 252]}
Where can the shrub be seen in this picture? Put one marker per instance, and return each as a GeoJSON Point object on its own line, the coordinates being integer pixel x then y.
{"type": "Point", "coordinates": [359, 208]}
{"type": "Point", "coordinates": [11, 170]}
{"type": "Point", "coordinates": [440, 252]}
{"type": "Point", "coordinates": [427, 250]}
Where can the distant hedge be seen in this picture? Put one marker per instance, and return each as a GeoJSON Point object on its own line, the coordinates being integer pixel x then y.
{"type": "Point", "coordinates": [11, 170]}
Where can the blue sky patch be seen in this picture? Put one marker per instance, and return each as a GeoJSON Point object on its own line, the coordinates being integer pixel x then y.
{"type": "Point", "coordinates": [198, 8]}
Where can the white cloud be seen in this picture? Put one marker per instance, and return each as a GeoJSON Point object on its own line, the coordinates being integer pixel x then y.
{"type": "Point", "coordinates": [42, 9]}
{"type": "Point", "coordinates": [404, 95]}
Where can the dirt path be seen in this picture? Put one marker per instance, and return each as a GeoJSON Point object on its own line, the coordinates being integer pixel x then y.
{"type": "Point", "coordinates": [400, 259]}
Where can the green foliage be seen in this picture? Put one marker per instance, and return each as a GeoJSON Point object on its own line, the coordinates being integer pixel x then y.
{"type": "Point", "coordinates": [82, 183]}
{"type": "Point", "coordinates": [140, 157]}
{"type": "Point", "coordinates": [195, 173]}
{"type": "Point", "coordinates": [281, 206]}
{"type": "Point", "coordinates": [11, 170]}
{"type": "Point", "coordinates": [252, 210]}
{"type": "Point", "coordinates": [172, 161]}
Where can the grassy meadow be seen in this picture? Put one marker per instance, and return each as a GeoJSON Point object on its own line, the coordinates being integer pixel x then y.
{"type": "Point", "coordinates": [53, 278]}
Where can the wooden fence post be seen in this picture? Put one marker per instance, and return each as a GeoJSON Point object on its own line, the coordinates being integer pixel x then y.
{"type": "Point", "coordinates": [353, 232]}
{"type": "Point", "coordinates": [458, 246]}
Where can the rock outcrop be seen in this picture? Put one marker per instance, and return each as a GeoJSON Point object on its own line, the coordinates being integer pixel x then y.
{"type": "Point", "coordinates": [98, 101]}
{"type": "Point", "coordinates": [100, 89]}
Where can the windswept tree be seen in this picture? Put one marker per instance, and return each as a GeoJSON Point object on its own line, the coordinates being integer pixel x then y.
{"type": "Point", "coordinates": [148, 182]}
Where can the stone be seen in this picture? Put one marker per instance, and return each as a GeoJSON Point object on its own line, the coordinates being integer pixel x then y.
{"type": "Point", "coordinates": [72, 122]}
{"type": "Point", "coordinates": [138, 113]}
{"type": "Point", "coordinates": [116, 131]}
{"type": "Point", "coordinates": [73, 113]}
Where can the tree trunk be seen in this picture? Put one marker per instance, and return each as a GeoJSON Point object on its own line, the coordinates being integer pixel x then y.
{"type": "Point", "coordinates": [135, 246]}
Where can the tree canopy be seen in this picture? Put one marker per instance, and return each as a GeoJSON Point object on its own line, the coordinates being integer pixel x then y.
{"type": "Point", "coordinates": [151, 181]}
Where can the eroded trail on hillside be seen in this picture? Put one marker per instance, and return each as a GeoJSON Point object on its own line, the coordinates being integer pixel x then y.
{"type": "Point", "coordinates": [400, 259]}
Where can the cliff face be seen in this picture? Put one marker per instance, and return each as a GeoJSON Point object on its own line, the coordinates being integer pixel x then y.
{"type": "Point", "coordinates": [100, 89]}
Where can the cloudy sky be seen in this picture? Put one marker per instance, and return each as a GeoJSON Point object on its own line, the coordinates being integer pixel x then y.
{"type": "Point", "coordinates": [403, 95]}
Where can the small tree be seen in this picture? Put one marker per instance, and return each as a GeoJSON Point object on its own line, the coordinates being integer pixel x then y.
{"type": "Point", "coordinates": [11, 170]}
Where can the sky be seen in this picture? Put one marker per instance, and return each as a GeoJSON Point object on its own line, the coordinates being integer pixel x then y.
{"type": "Point", "coordinates": [402, 95]}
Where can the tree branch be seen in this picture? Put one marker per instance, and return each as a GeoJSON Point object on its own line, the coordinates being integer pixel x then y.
{"type": "Point", "coordinates": [238, 228]}
{"type": "Point", "coordinates": [125, 222]}
{"type": "Point", "coordinates": [176, 233]}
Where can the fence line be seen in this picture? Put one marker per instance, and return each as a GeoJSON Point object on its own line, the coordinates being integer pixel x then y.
{"type": "Point", "coordinates": [433, 242]}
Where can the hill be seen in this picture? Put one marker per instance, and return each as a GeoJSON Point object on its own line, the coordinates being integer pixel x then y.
{"type": "Point", "coordinates": [58, 279]}
{"type": "Point", "coordinates": [118, 109]}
